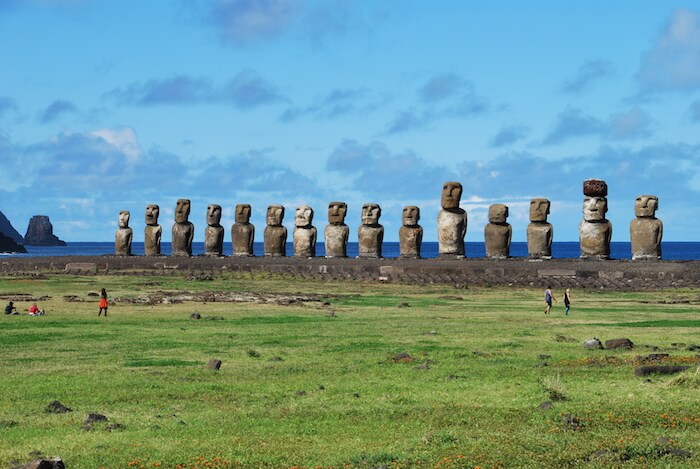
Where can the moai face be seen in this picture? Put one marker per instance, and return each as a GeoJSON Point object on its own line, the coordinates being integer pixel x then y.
{"type": "Point", "coordinates": [645, 206]}
{"type": "Point", "coordinates": [337, 212]}
{"type": "Point", "coordinates": [371, 214]}
{"type": "Point", "coordinates": [275, 214]}
{"type": "Point", "coordinates": [182, 211]}
{"type": "Point", "coordinates": [411, 215]}
{"type": "Point", "coordinates": [152, 213]}
{"type": "Point", "coordinates": [498, 213]}
{"type": "Point", "coordinates": [539, 209]}
{"type": "Point", "coordinates": [243, 213]}
{"type": "Point", "coordinates": [213, 215]}
{"type": "Point", "coordinates": [124, 219]}
{"type": "Point", "coordinates": [451, 194]}
{"type": "Point", "coordinates": [303, 216]}
{"type": "Point", "coordinates": [594, 208]}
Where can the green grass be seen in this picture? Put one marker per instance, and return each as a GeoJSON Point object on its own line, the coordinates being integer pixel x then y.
{"type": "Point", "coordinates": [316, 385]}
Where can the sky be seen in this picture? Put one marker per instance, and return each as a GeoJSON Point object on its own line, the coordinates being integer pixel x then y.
{"type": "Point", "coordinates": [113, 105]}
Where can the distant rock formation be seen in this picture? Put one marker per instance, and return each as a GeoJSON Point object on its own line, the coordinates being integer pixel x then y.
{"type": "Point", "coordinates": [8, 244]}
{"type": "Point", "coordinates": [40, 233]}
{"type": "Point", "coordinates": [8, 230]}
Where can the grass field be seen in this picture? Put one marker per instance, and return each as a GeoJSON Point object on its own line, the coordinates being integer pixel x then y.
{"type": "Point", "coordinates": [317, 383]}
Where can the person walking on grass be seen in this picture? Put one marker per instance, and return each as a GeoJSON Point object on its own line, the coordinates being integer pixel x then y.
{"type": "Point", "coordinates": [548, 298]}
{"type": "Point", "coordinates": [103, 302]}
{"type": "Point", "coordinates": [567, 301]}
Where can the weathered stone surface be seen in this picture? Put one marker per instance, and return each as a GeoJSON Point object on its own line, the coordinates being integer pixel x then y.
{"type": "Point", "coordinates": [498, 233]}
{"type": "Point", "coordinates": [410, 233]}
{"type": "Point", "coordinates": [647, 370]}
{"type": "Point", "coordinates": [43, 463]}
{"type": "Point", "coordinates": [242, 232]}
{"type": "Point", "coordinates": [124, 235]}
{"type": "Point", "coordinates": [40, 233]}
{"type": "Point", "coordinates": [183, 230]}
{"type": "Point", "coordinates": [595, 188]}
{"type": "Point", "coordinates": [539, 232]}
{"type": "Point", "coordinates": [618, 343]}
{"type": "Point", "coordinates": [451, 222]}
{"type": "Point", "coordinates": [595, 231]}
{"type": "Point", "coordinates": [304, 234]}
{"type": "Point", "coordinates": [592, 344]}
{"type": "Point", "coordinates": [370, 235]}
{"type": "Point", "coordinates": [275, 235]}
{"type": "Point", "coordinates": [56, 407]}
{"type": "Point", "coordinates": [336, 232]}
{"type": "Point", "coordinates": [153, 232]}
{"type": "Point", "coordinates": [94, 418]}
{"type": "Point", "coordinates": [214, 232]}
{"type": "Point", "coordinates": [646, 230]}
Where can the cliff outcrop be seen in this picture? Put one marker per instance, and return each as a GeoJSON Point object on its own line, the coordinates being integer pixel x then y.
{"type": "Point", "coordinates": [8, 244]}
{"type": "Point", "coordinates": [8, 230]}
{"type": "Point", "coordinates": [40, 233]}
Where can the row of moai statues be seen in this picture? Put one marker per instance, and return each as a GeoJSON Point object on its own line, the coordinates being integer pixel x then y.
{"type": "Point", "coordinates": [595, 231]}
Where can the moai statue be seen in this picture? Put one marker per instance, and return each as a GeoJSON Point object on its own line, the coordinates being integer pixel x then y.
{"type": "Point", "coordinates": [410, 233]}
{"type": "Point", "coordinates": [646, 230]}
{"type": "Point", "coordinates": [123, 236]}
{"type": "Point", "coordinates": [304, 235]}
{"type": "Point", "coordinates": [153, 232]}
{"type": "Point", "coordinates": [242, 232]}
{"type": "Point", "coordinates": [595, 231]}
{"type": "Point", "coordinates": [214, 232]}
{"type": "Point", "coordinates": [275, 234]}
{"type": "Point", "coordinates": [498, 232]}
{"type": "Point", "coordinates": [539, 232]}
{"type": "Point", "coordinates": [183, 230]}
{"type": "Point", "coordinates": [370, 234]}
{"type": "Point", "coordinates": [451, 222]}
{"type": "Point", "coordinates": [336, 232]}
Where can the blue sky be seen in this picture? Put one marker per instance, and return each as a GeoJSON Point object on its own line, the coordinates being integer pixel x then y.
{"type": "Point", "coordinates": [113, 105]}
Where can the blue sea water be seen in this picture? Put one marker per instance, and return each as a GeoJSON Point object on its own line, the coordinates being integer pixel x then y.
{"type": "Point", "coordinates": [560, 250]}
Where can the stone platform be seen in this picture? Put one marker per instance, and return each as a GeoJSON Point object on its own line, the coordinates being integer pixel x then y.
{"type": "Point", "coordinates": [461, 273]}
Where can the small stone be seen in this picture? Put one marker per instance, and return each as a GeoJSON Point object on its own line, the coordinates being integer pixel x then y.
{"type": "Point", "coordinates": [214, 364]}
{"type": "Point", "coordinates": [592, 344]}
{"type": "Point", "coordinates": [56, 407]}
{"type": "Point", "coordinates": [402, 357]}
{"type": "Point", "coordinates": [659, 369]}
{"type": "Point", "coordinates": [545, 405]}
{"type": "Point", "coordinates": [618, 343]}
{"type": "Point", "coordinates": [94, 418]}
{"type": "Point", "coordinates": [195, 316]}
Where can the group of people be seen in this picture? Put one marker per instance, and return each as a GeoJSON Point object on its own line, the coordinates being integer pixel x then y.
{"type": "Point", "coordinates": [549, 297]}
{"type": "Point", "coordinates": [35, 311]}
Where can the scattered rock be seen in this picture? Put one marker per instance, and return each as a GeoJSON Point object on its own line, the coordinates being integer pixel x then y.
{"type": "Point", "coordinates": [195, 316]}
{"type": "Point", "coordinates": [94, 418]}
{"type": "Point", "coordinates": [56, 407]}
{"type": "Point", "coordinates": [253, 353]}
{"type": "Point", "coordinates": [618, 343]}
{"type": "Point", "coordinates": [547, 405]}
{"type": "Point", "coordinates": [659, 369]}
{"type": "Point", "coordinates": [214, 364]}
{"type": "Point", "coordinates": [693, 347]}
{"type": "Point", "coordinates": [403, 305]}
{"type": "Point", "coordinates": [570, 422]}
{"type": "Point", "coordinates": [43, 463]}
{"type": "Point", "coordinates": [592, 344]}
{"type": "Point", "coordinates": [402, 357]}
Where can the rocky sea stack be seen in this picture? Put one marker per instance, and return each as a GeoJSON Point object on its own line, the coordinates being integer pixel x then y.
{"type": "Point", "coordinates": [40, 233]}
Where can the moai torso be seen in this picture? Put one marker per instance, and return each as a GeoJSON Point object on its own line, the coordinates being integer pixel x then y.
{"type": "Point", "coordinates": [410, 233]}
{"type": "Point", "coordinates": [497, 233]}
{"type": "Point", "coordinates": [451, 222]}
{"type": "Point", "coordinates": [304, 235]}
{"type": "Point", "coordinates": [242, 232]}
{"type": "Point", "coordinates": [123, 236]}
{"type": "Point", "coordinates": [336, 232]}
{"type": "Point", "coordinates": [183, 230]}
{"type": "Point", "coordinates": [214, 232]}
{"type": "Point", "coordinates": [275, 235]}
{"type": "Point", "coordinates": [595, 231]}
{"type": "Point", "coordinates": [370, 234]}
{"type": "Point", "coordinates": [646, 230]}
{"type": "Point", "coordinates": [539, 232]}
{"type": "Point", "coordinates": [152, 233]}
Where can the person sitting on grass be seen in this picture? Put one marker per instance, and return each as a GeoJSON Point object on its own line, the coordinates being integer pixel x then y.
{"type": "Point", "coordinates": [35, 311]}
{"type": "Point", "coordinates": [10, 309]}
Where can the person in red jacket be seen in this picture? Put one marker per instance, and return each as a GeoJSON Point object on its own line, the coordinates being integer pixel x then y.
{"type": "Point", "coordinates": [103, 302]}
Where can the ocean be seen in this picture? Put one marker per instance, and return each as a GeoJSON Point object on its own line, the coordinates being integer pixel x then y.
{"type": "Point", "coordinates": [560, 250]}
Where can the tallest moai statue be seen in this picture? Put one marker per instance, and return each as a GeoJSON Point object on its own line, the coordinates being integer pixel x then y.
{"type": "Point", "coordinates": [451, 222]}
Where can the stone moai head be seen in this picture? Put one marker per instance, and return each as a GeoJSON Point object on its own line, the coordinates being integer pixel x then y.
{"type": "Point", "coordinates": [275, 214]}
{"type": "Point", "coordinates": [539, 209]}
{"type": "Point", "coordinates": [645, 206]}
{"type": "Point", "coordinates": [410, 215]}
{"type": "Point", "coordinates": [152, 213]}
{"type": "Point", "coordinates": [243, 213]}
{"type": "Point", "coordinates": [451, 195]}
{"type": "Point", "coordinates": [337, 212]}
{"type": "Point", "coordinates": [182, 211]}
{"type": "Point", "coordinates": [124, 216]}
{"type": "Point", "coordinates": [498, 213]}
{"type": "Point", "coordinates": [594, 208]}
{"type": "Point", "coordinates": [213, 215]}
{"type": "Point", "coordinates": [303, 216]}
{"type": "Point", "coordinates": [371, 214]}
